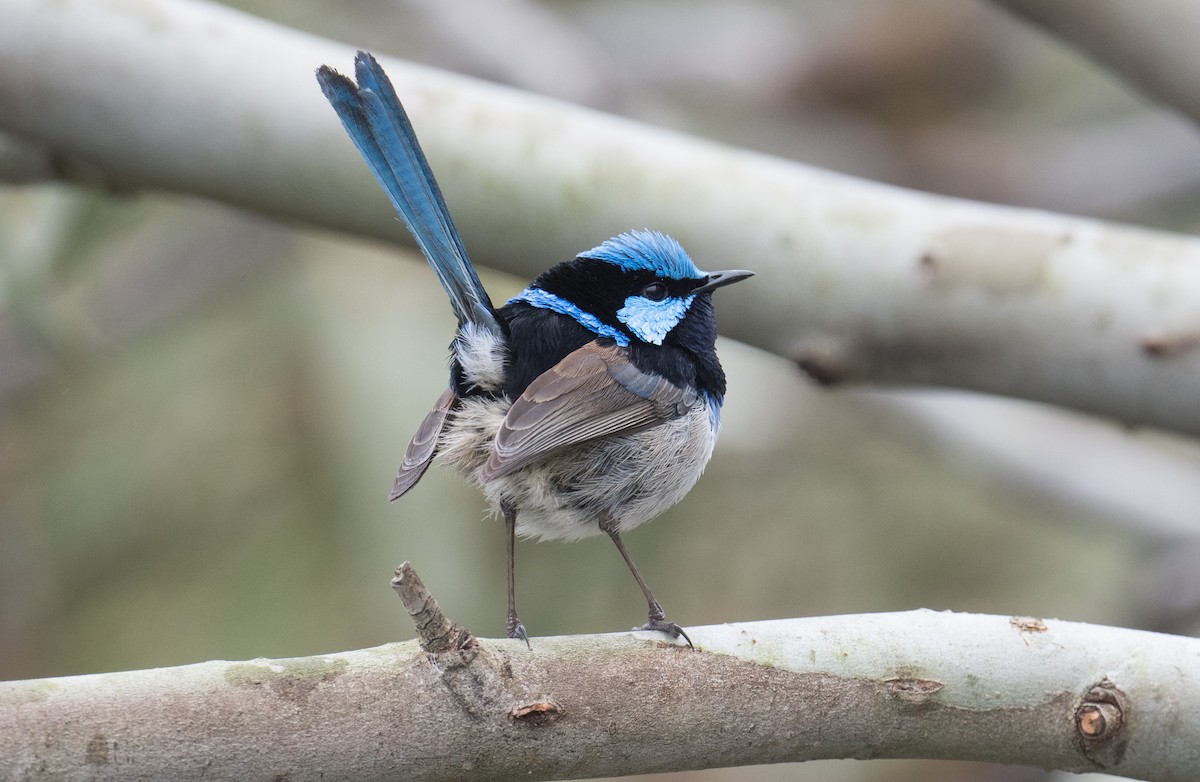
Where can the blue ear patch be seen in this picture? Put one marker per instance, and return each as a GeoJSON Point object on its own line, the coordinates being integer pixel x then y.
{"type": "Point", "coordinates": [548, 301]}
{"type": "Point", "coordinates": [650, 320]}
{"type": "Point", "coordinates": [647, 251]}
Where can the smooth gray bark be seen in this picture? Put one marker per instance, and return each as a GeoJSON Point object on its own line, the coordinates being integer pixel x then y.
{"type": "Point", "coordinates": [918, 684]}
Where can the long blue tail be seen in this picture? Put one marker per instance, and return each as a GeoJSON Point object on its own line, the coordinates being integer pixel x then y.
{"type": "Point", "coordinates": [377, 123]}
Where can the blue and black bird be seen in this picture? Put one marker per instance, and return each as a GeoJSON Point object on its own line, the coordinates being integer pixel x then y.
{"type": "Point", "coordinates": [588, 403]}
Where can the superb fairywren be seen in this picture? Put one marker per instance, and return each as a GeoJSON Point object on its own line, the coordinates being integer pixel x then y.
{"type": "Point", "coordinates": [590, 402]}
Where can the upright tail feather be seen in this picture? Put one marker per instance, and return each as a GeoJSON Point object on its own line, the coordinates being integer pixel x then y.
{"type": "Point", "coordinates": [377, 123]}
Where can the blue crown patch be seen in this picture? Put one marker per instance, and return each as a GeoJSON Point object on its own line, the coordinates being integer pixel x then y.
{"type": "Point", "coordinates": [647, 251]}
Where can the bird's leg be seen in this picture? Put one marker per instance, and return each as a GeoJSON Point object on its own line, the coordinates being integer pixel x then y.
{"type": "Point", "coordinates": [657, 619]}
{"type": "Point", "coordinates": [515, 628]}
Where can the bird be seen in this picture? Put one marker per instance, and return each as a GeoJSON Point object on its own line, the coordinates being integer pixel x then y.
{"type": "Point", "coordinates": [588, 403]}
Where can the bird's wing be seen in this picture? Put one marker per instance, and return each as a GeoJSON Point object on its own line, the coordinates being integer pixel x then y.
{"type": "Point", "coordinates": [423, 446]}
{"type": "Point", "coordinates": [596, 391]}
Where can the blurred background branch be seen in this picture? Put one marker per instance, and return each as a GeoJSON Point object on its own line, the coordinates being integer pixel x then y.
{"type": "Point", "coordinates": [201, 409]}
{"type": "Point", "coordinates": [866, 283]}
{"type": "Point", "coordinates": [1151, 45]}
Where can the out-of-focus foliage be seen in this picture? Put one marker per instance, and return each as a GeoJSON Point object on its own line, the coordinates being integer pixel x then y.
{"type": "Point", "coordinates": [201, 411]}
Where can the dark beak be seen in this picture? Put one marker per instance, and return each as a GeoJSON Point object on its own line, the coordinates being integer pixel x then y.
{"type": "Point", "coordinates": [721, 279]}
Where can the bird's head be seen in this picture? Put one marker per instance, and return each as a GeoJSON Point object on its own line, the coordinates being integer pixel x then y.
{"type": "Point", "coordinates": [639, 286]}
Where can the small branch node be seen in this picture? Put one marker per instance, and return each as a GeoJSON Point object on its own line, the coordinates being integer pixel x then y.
{"type": "Point", "coordinates": [536, 715]}
{"type": "Point", "coordinates": [822, 361]}
{"type": "Point", "coordinates": [1165, 345]}
{"type": "Point", "coordinates": [916, 692]}
{"type": "Point", "coordinates": [1099, 722]}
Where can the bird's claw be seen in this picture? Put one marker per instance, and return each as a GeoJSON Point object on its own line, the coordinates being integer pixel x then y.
{"type": "Point", "coordinates": [670, 628]}
{"type": "Point", "coordinates": [517, 630]}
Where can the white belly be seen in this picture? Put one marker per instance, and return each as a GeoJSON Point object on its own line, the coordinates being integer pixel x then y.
{"type": "Point", "coordinates": [631, 477]}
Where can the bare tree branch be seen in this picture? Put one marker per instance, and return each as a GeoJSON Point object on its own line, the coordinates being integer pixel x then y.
{"type": "Point", "coordinates": [1151, 43]}
{"type": "Point", "coordinates": [857, 281]}
{"type": "Point", "coordinates": [918, 684]}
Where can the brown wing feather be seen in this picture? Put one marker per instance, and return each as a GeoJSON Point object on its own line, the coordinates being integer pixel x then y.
{"type": "Point", "coordinates": [594, 392]}
{"type": "Point", "coordinates": [423, 446]}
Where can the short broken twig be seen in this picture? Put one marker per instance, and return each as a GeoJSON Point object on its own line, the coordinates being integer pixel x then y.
{"type": "Point", "coordinates": [436, 632]}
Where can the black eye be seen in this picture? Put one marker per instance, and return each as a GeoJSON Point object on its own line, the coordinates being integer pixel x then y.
{"type": "Point", "coordinates": [655, 291]}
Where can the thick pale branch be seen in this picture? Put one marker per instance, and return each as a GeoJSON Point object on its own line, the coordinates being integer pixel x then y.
{"type": "Point", "coordinates": [1151, 43]}
{"type": "Point", "coordinates": [857, 281]}
{"type": "Point", "coordinates": [908, 685]}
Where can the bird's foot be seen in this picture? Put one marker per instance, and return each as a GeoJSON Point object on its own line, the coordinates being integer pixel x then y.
{"type": "Point", "coordinates": [516, 629]}
{"type": "Point", "coordinates": [661, 625]}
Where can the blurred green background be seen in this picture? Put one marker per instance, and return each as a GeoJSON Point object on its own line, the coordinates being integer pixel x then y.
{"type": "Point", "coordinates": [201, 410]}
